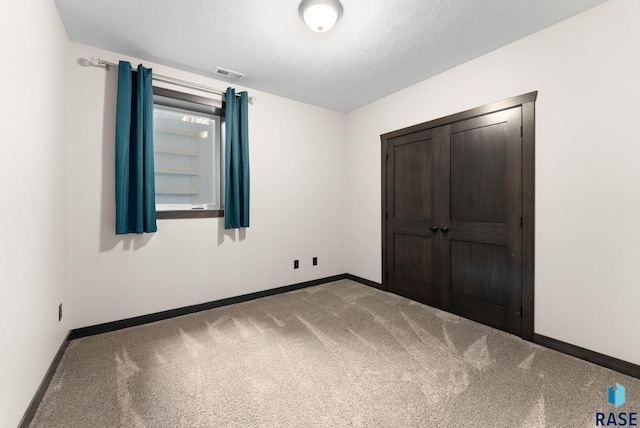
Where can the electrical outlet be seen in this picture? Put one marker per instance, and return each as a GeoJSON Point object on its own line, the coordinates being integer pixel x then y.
{"type": "Point", "coordinates": [315, 261]}
{"type": "Point", "coordinates": [296, 264]}
{"type": "Point", "coordinates": [60, 312]}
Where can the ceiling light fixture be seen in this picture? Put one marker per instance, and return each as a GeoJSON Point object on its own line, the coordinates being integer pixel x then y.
{"type": "Point", "coordinates": [320, 15]}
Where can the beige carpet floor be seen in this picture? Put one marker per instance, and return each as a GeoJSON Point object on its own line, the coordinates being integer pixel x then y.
{"type": "Point", "coordinates": [336, 355]}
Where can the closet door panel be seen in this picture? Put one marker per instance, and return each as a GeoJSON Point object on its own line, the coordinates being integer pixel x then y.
{"type": "Point", "coordinates": [479, 174]}
{"type": "Point", "coordinates": [411, 259]}
{"type": "Point", "coordinates": [481, 253]}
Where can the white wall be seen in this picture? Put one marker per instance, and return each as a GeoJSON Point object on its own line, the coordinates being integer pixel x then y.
{"type": "Point", "coordinates": [297, 208]}
{"type": "Point", "coordinates": [33, 159]}
{"type": "Point", "coordinates": [587, 176]}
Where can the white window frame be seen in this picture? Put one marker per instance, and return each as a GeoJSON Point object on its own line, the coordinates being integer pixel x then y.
{"type": "Point", "coordinates": [201, 106]}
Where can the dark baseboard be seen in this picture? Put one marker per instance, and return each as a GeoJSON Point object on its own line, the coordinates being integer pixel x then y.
{"type": "Point", "coordinates": [37, 398]}
{"type": "Point", "coordinates": [159, 316]}
{"type": "Point", "coordinates": [363, 281]}
{"type": "Point", "coordinates": [588, 355]}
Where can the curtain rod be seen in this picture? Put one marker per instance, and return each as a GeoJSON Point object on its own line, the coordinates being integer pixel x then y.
{"type": "Point", "coordinates": [159, 77]}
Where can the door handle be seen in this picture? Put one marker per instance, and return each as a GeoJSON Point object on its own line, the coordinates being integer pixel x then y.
{"type": "Point", "coordinates": [444, 229]}
{"type": "Point", "coordinates": [434, 228]}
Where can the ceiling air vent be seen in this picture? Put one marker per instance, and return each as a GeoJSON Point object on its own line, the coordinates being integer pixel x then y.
{"type": "Point", "coordinates": [228, 73]}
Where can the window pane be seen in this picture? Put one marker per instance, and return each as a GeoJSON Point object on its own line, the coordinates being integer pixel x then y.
{"type": "Point", "coordinates": [185, 157]}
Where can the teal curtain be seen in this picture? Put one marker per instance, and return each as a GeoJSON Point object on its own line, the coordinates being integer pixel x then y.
{"type": "Point", "coordinates": [135, 180]}
{"type": "Point", "coordinates": [236, 160]}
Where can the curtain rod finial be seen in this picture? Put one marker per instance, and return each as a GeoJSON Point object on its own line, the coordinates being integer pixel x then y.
{"type": "Point", "coordinates": [98, 62]}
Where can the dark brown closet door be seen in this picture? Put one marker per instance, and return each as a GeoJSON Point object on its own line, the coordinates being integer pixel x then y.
{"type": "Point", "coordinates": [412, 171]}
{"type": "Point", "coordinates": [481, 245]}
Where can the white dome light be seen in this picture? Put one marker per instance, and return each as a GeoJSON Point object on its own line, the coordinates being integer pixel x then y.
{"type": "Point", "coordinates": [320, 15]}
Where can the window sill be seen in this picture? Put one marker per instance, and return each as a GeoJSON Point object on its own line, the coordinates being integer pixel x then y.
{"type": "Point", "coordinates": [179, 214]}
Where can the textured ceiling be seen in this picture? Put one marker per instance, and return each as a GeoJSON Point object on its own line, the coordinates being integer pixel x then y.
{"type": "Point", "coordinates": [377, 48]}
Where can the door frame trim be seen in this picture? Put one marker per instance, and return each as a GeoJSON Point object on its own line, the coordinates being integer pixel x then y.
{"type": "Point", "coordinates": [527, 102]}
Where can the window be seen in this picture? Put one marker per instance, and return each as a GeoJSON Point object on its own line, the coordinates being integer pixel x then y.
{"type": "Point", "coordinates": [187, 155]}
